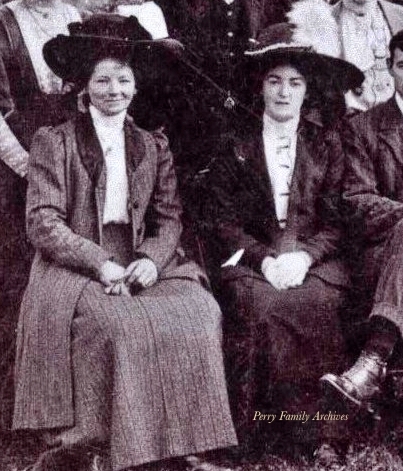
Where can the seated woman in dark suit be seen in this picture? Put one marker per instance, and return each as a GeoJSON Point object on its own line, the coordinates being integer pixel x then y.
{"type": "Point", "coordinates": [119, 344]}
{"type": "Point", "coordinates": [276, 212]}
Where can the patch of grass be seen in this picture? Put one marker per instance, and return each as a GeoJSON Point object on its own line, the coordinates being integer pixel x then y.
{"type": "Point", "coordinates": [17, 451]}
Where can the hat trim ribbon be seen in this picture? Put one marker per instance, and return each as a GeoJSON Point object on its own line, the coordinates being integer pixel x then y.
{"type": "Point", "coordinates": [274, 47]}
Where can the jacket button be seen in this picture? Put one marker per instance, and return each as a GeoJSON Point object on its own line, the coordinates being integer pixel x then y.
{"type": "Point", "coordinates": [135, 205]}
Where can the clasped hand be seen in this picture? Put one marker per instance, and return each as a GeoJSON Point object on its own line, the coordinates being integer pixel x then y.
{"type": "Point", "coordinates": [288, 270]}
{"type": "Point", "coordinates": [117, 279]}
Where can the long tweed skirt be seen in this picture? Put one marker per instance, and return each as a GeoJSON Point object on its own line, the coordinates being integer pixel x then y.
{"type": "Point", "coordinates": [148, 373]}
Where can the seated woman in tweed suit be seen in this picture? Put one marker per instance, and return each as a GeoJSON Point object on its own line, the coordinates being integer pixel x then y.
{"type": "Point", "coordinates": [119, 344]}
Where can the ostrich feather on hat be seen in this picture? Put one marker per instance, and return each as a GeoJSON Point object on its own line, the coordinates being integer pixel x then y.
{"type": "Point", "coordinates": [304, 43]}
{"type": "Point", "coordinates": [316, 25]}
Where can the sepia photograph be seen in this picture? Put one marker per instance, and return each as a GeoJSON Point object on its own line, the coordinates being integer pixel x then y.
{"type": "Point", "coordinates": [201, 235]}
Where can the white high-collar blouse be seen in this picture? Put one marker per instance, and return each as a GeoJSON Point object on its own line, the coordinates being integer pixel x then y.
{"type": "Point", "coordinates": [109, 130]}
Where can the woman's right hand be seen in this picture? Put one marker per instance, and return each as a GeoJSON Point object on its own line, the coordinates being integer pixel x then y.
{"type": "Point", "coordinates": [112, 276]}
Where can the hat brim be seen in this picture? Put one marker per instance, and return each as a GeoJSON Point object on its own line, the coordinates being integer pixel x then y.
{"type": "Point", "coordinates": [69, 56]}
{"type": "Point", "coordinates": [343, 74]}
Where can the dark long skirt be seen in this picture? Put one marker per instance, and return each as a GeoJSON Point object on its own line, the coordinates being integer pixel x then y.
{"type": "Point", "coordinates": [278, 343]}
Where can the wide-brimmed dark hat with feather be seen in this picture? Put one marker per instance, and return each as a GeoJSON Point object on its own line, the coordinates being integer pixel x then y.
{"type": "Point", "coordinates": [284, 41]}
{"type": "Point", "coordinates": [107, 35]}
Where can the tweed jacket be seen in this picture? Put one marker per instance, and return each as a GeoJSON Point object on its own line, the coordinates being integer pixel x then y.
{"type": "Point", "coordinates": [374, 169]}
{"type": "Point", "coordinates": [393, 14]}
{"type": "Point", "coordinates": [66, 194]}
{"type": "Point", "coordinates": [244, 205]}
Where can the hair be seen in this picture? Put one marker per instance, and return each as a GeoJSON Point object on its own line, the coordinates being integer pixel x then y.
{"type": "Point", "coordinates": [395, 43]}
{"type": "Point", "coordinates": [94, 57]}
{"type": "Point", "coordinates": [322, 91]}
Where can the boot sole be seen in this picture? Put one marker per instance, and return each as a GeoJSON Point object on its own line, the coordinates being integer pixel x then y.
{"type": "Point", "coordinates": [332, 381]}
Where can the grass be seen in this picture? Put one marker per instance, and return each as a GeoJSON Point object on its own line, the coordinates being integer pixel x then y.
{"type": "Point", "coordinates": [374, 448]}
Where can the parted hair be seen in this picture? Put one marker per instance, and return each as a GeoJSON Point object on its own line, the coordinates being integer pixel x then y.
{"type": "Point", "coordinates": [395, 43]}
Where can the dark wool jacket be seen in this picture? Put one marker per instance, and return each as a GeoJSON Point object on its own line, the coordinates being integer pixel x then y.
{"type": "Point", "coordinates": [374, 172]}
{"type": "Point", "coordinates": [244, 211]}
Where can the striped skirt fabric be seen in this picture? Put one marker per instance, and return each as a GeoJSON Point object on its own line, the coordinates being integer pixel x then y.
{"type": "Point", "coordinates": [148, 373]}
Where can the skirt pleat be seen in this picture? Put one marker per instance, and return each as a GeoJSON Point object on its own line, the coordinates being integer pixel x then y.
{"type": "Point", "coordinates": [148, 373]}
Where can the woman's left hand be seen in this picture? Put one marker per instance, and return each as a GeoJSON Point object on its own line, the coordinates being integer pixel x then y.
{"type": "Point", "coordinates": [143, 272]}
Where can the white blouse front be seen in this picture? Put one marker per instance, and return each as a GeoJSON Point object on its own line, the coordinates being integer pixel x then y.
{"type": "Point", "coordinates": [110, 132]}
{"type": "Point", "coordinates": [280, 148]}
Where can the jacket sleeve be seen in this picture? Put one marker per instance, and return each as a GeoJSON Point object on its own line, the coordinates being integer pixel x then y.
{"type": "Point", "coordinates": [163, 224]}
{"type": "Point", "coordinates": [47, 208]}
{"type": "Point", "coordinates": [12, 150]}
{"type": "Point", "coordinates": [375, 213]}
{"type": "Point", "coordinates": [330, 214]}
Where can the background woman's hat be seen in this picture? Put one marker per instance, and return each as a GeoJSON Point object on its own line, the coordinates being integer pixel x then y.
{"type": "Point", "coordinates": [107, 35]}
{"type": "Point", "coordinates": [285, 41]}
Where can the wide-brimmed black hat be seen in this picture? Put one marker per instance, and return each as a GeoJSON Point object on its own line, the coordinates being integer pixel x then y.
{"type": "Point", "coordinates": [107, 35]}
{"type": "Point", "coordinates": [278, 42]}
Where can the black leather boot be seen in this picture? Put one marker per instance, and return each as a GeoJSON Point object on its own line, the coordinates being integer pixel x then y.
{"type": "Point", "coordinates": [362, 382]}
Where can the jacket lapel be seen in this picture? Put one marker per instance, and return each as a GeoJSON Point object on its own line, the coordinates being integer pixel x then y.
{"type": "Point", "coordinates": [300, 177]}
{"type": "Point", "coordinates": [89, 147]}
{"type": "Point", "coordinates": [136, 149]}
{"type": "Point", "coordinates": [251, 155]}
{"type": "Point", "coordinates": [305, 166]}
{"type": "Point", "coordinates": [91, 154]}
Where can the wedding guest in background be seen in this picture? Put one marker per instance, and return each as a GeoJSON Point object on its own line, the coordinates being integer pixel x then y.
{"type": "Point", "coordinates": [30, 96]}
{"type": "Point", "coordinates": [275, 203]}
{"type": "Point", "coordinates": [128, 339]}
{"type": "Point", "coordinates": [148, 13]}
{"type": "Point", "coordinates": [374, 190]}
{"type": "Point", "coordinates": [217, 33]}
{"type": "Point", "coordinates": [364, 29]}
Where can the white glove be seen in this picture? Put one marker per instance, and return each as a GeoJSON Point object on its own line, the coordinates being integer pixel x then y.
{"type": "Point", "coordinates": [143, 272]}
{"type": "Point", "coordinates": [291, 269]}
{"type": "Point", "coordinates": [270, 271]}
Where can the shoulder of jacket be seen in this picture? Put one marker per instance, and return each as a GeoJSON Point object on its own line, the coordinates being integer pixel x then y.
{"type": "Point", "coordinates": [370, 118]}
{"type": "Point", "coordinates": [160, 139]}
{"type": "Point", "coordinates": [57, 132]}
{"type": "Point", "coordinates": [156, 136]}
